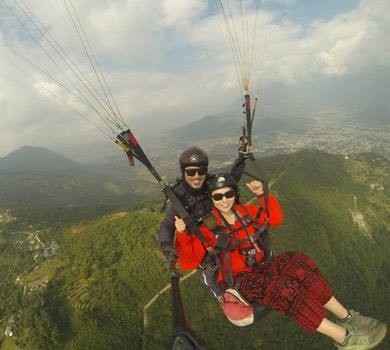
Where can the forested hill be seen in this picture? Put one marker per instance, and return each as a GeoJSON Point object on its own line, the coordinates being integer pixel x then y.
{"type": "Point", "coordinates": [336, 209]}
{"type": "Point", "coordinates": [38, 159]}
{"type": "Point", "coordinates": [35, 177]}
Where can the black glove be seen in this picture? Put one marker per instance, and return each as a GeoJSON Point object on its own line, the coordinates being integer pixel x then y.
{"type": "Point", "coordinates": [169, 253]}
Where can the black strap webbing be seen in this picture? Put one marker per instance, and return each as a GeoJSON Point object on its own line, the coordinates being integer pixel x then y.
{"type": "Point", "coordinates": [245, 220]}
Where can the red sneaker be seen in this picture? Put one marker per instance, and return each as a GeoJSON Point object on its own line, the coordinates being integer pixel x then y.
{"type": "Point", "coordinates": [237, 310]}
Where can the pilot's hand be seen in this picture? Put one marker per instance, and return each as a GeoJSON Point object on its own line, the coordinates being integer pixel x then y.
{"type": "Point", "coordinates": [179, 224]}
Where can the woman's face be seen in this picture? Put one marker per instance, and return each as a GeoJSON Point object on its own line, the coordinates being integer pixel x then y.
{"type": "Point", "coordinates": [223, 199]}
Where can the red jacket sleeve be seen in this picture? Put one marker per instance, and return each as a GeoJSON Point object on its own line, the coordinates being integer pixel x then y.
{"type": "Point", "coordinates": [190, 250]}
{"type": "Point", "coordinates": [275, 211]}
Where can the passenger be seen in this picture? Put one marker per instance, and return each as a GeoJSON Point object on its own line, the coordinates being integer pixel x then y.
{"type": "Point", "coordinates": [238, 246]}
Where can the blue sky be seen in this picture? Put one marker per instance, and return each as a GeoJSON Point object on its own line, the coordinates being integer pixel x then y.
{"type": "Point", "coordinates": [306, 11]}
{"type": "Point", "coordinates": [169, 63]}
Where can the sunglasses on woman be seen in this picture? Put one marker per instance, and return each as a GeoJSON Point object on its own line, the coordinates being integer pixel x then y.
{"type": "Point", "coordinates": [218, 196]}
{"type": "Point", "coordinates": [192, 172]}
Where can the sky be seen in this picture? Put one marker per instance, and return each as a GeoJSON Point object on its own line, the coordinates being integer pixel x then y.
{"type": "Point", "coordinates": [168, 63]}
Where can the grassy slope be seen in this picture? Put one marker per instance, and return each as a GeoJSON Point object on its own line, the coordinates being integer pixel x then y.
{"type": "Point", "coordinates": [8, 344]}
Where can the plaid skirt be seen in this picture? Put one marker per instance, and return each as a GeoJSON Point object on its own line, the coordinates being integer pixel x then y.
{"type": "Point", "coordinates": [292, 285]}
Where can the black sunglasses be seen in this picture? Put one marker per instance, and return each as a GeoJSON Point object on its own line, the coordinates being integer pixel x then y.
{"type": "Point", "coordinates": [192, 172]}
{"type": "Point", "coordinates": [218, 196]}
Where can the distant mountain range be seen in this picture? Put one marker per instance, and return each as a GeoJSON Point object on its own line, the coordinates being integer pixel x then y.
{"type": "Point", "coordinates": [38, 177]}
{"type": "Point", "coordinates": [28, 159]}
{"type": "Point", "coordinates": [228, 126]}
{"type": "Point", "coordinates": [332, 130]}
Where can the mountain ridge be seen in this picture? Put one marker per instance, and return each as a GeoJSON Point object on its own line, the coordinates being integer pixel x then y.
{"type": "Point", "coordinates": [38, 159]}
{"type": "Point", "coordinates": [227, 126]}
{"type": "Point", "coordinates": [38, 177]}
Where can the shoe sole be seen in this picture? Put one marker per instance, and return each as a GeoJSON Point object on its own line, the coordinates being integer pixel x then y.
{"type": "Point", "coordinates": [237, 295]}
{"type": "Point", "coordinates": [381, 337]}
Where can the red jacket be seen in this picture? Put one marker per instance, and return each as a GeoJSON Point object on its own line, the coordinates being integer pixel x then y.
{"type": "Point", "coordinates": [192, 251]}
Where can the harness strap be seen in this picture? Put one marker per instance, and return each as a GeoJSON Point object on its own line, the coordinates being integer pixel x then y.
{"type": "Point", "coordinates": [213, 262]}
{"type": "Point", "coordinates": [230, 280]}
{"type": "Point", "coordinates": [222, 244]}
{"type": "Point", "coordinates": [259, 212]}
{"type": "Point", "coordinates": [251, 239]}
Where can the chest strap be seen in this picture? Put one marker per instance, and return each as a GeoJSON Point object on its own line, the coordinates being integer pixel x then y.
{"type": "Point", "coordinates": [222, 245]}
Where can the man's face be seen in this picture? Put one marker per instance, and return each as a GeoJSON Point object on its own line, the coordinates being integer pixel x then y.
{"type": "Point", "coordinates": [195, 176]}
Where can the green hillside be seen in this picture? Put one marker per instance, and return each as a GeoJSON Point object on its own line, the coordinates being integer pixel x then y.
{"type": "Point", "coordinates": [336, 209]}
{"type": "Point", "coordinates": [34, 177]}
{"type": "Point", "coordinates": [38, 159]}
{"type": "Point", "coordinates": [50, 190]}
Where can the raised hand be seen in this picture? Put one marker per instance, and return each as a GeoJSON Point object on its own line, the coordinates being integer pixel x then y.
{"type": "Point", "coordinates": [256, 187]}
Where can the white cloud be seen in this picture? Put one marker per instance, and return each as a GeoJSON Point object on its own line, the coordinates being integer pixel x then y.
{"type": "Point", "coordinates": [354, 41]}
{"type": "Point", "coordinates": [182, 12]}
{"type": "Point", "coordinates": [172, 58]}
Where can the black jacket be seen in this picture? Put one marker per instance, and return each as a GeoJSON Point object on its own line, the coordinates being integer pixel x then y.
{"type": "Point", "coordinates": [196, 202]}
